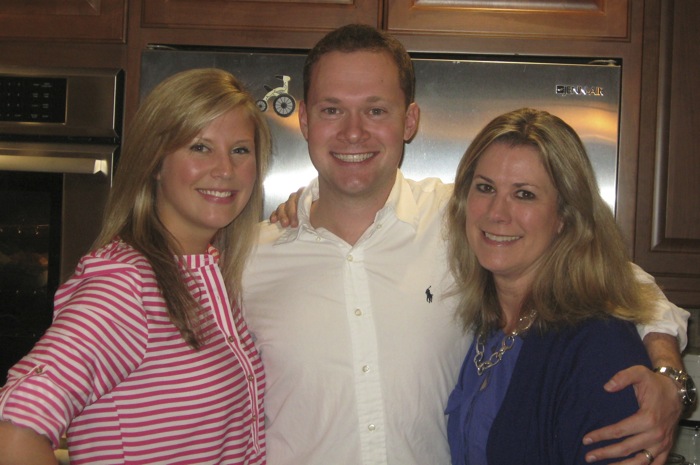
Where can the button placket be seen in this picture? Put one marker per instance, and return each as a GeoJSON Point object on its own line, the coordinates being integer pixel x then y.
{"type": "Point", "coordinates": [365, 355]}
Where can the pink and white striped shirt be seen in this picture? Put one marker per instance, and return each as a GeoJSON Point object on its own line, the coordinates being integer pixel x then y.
{"type": "Point", "coordinates": [114, 372]}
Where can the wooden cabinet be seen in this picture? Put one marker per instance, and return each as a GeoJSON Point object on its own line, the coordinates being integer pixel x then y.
{"type": "Point", "coordinates": [565, 19]}
{"type": "Point", "coordinates": [668, 203]}
{"type": "Point", "coordinates": [259, 14]}
{"type": "Point", "coordinates": [64, 20]}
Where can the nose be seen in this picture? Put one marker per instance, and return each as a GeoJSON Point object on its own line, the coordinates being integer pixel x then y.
{"type": "Point", "coordinates": [223, 166]}
{"type": "Point", "coordinates": [499, 209]}
{"type": "Point", "coordinates": [353, 130]}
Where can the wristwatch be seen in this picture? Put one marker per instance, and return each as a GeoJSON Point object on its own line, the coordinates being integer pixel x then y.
{"type": "Point", "coordinates": [686, 387]}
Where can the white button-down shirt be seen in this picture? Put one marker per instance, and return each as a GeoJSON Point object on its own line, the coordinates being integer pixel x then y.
{"type": "Point", "coordinates": [360, 344]}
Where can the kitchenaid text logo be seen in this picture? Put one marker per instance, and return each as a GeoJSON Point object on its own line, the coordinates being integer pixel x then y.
{"type": "Point", "coordinates": [593, 91]}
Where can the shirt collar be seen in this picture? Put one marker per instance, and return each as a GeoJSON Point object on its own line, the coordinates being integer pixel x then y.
{"type": "Point", "coordinates": [400, 203]}
{"type": "Point", "coordinates": [194, 261]}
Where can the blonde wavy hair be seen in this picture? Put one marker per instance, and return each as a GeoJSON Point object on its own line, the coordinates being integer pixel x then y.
{"type": "Point", "coordinates": [173, 114]}
{"type": "Point", "coordinates": [586, 272]}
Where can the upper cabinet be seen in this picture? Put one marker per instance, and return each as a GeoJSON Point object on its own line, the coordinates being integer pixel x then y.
{"type": "Point", "coordinates": [605, 19]}
{"type": "Point", "coordinates": [258, 15]}
{"type": "Point", "coordinates": [668, 210]}
{"type": "Point", "coordinates": [64, 20]}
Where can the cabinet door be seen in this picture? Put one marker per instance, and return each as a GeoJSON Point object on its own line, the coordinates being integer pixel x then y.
{"type": "Point", "coordinates": [259, 14]}
{"type": "Point", "coordinates": [668, 206]}
{"type": "Point", "coordinates": [522, 18]}
{"type": "Point", "coordinates": [71, 20]}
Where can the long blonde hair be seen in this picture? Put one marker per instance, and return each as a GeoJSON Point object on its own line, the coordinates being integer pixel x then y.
{"type": "Point", "coordinates": [586, 272]}
{"type": "Point", "coordinates": [174, 113]}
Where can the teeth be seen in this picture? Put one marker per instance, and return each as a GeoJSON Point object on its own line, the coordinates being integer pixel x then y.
{"type": "Point", "coordinates": [220, 194]}
{"type": "Point", "coordinates": [500, 238]}
{"type": "Point", "coordinates": [352, 157]}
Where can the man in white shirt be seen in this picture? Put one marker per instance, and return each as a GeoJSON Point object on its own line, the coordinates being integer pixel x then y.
{"type": "Point", "coordinates": [351, 310]}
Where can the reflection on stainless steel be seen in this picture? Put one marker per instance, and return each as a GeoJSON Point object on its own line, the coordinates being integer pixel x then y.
{"type": "Point", "coordinates": [457, 95]}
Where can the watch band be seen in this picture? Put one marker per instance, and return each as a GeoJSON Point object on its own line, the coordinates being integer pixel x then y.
{"type": "Point", "coordinates": [686, 387]}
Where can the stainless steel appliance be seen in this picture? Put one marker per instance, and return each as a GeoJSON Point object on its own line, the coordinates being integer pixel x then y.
{"type": "Point", "coordinates": [59, 139]}
{"type": "Point", "coordinates": [457, 94]}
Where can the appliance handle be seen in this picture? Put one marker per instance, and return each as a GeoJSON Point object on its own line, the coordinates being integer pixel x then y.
{"type": "Point", "coordinates": [54, 164]}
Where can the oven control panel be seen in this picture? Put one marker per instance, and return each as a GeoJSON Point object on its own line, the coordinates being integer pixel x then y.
{"type": "Point", "coordinates": [82, 103]}
{"type": "Point", "coordinates": [32, 99]}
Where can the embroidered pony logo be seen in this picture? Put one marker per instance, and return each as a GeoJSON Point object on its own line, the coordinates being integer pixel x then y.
{"type": "Point", "coordinates": [428, 295]}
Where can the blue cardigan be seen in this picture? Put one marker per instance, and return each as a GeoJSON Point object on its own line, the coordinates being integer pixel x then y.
{"type": "Point", "coordinates": [556, 393]}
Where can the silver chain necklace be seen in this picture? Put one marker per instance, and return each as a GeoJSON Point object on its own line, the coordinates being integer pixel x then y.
{"type": "Point", "coordinates": [506, 344]}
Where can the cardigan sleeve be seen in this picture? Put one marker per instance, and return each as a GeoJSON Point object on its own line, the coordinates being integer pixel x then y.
{"type": "Point", "coordinates": [598, 352]}
{"type": "Point", "coordinates": [556, 394]}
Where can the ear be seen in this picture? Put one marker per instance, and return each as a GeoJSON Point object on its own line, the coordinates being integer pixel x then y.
{"type": "Point", "coordinates": [411, 123]}
{"type": "Point", "coordinates": [303, 120]}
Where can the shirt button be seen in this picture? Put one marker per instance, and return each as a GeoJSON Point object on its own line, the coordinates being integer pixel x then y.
{"type": "Point", "coordinates": [318, 238]}
{"type": "Point", "coordinates": [365, 369]}
{"type": "Point", "coordinates": [349, 258]}
{"type": "Point", "coordinates": [358, 312]}
{"type": "Point", "coordinates": [371, 427]}
{"type": "Point", "coordinates": [251, 378]}
{"type": "Point", "coordinates": [231, 339]}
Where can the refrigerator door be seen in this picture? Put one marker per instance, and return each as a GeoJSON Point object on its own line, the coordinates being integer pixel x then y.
{"type": "Point", "coordinates": [457, 98]}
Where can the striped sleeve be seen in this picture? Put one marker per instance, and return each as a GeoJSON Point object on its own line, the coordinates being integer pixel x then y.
{"type": "Point", "coordinates": [98, 337]}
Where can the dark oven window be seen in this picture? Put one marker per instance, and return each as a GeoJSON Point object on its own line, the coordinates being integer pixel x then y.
{"type": "Point", "coordinates": [30, 230]}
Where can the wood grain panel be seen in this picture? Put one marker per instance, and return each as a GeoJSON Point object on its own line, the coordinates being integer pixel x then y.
{"type": "Point", "coordinates": [525, 18]}
{"type": "Point", "coordinates": [260, 14]}
{"type": "Point", "coordinates": [70, 20]}
{"type": "Point", "coordinates": [668, 219]}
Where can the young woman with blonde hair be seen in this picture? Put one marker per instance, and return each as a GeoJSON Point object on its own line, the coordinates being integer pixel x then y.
{"type": "Point", "coordinates": [148, 359]}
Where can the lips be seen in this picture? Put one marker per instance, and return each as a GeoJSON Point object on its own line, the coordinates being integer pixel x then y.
{"type": "Point", "coordinates": [500, 239]}
{"type": "Point", "coordinates": [216, 193]}
{"type": "Point", "coordinates": [352, 157]}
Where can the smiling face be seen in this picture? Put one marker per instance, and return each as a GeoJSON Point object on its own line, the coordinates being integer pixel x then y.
{"type": "Point", "coordinates": [356, 121]}
{"type": "Point", "coordinates": [511, 212]}
{"type": "Point", "coordinates": [204, 185]}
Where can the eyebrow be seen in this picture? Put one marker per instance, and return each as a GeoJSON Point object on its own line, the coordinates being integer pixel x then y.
{"type": "Point", "coordinates": [517, 184]}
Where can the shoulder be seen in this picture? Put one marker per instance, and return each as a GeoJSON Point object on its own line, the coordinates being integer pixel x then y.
{"type": "Point", "coordinates": [599, 339]}
{"type": "Point", "coordinates": [429, 194]}
{"type": "Point", "coordinates": [113, 256]}
{"type": "Point", "coordinates": [112, 264]}
{"type": "Point", "coordinates": [610, 332]}
{"type": "Point", "coordinates": [429, 186]}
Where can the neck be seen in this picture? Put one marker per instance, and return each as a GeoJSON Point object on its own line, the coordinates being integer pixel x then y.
{"type": "Point", "coordinates": [511, 297]}
{"type": "Point", "coordinates": [347, 218]}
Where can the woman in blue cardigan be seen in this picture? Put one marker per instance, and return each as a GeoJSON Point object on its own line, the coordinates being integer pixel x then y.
{"type": "Point", "coordinates": [545, 283]}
